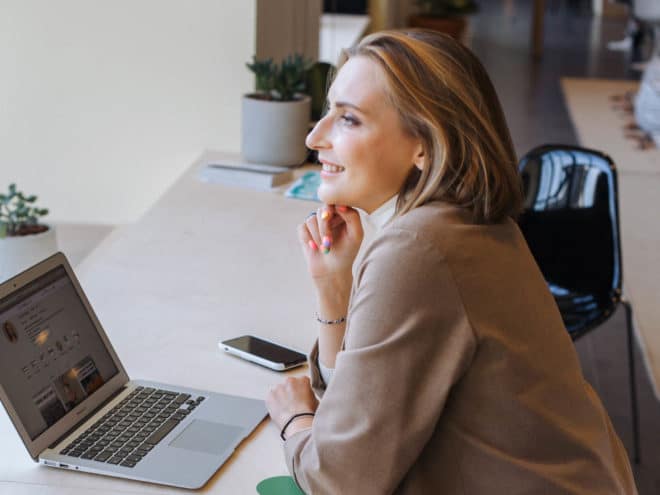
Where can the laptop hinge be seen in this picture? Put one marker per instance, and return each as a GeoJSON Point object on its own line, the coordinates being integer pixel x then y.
{"type": "Point", "coordinates": [77, 425]}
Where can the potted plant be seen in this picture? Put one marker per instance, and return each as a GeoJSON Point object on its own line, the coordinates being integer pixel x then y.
{"type": "Point", "coordinates": [446, 16]}
{"type": "Point", "coordinates": [276, 117]}
{"type": "Point", "coordinates": [23, 239]}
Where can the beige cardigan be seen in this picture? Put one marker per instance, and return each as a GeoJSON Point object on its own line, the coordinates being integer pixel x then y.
{"type": "Point", "coordinates": [457, 376]}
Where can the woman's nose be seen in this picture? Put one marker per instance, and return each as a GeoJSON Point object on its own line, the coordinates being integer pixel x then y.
{"type": "Point", "coordinates": [317, 138]}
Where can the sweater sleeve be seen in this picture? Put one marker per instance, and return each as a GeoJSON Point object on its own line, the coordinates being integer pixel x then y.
{"type": "Point", "coordinates": [408, 341]}
{"type": "Point", "coordinates": [315, 372]}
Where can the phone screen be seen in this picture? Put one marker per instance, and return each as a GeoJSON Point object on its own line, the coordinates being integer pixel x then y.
{"type": "Point", "coordinates": [267, 350]}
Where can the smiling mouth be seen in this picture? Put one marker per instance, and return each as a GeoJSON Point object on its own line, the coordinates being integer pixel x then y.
{"type": "Point", "coordinates": [332, 169]}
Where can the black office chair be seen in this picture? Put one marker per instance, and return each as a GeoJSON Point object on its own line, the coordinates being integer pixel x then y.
{"type": "Point", "coordinates": [571, 224]}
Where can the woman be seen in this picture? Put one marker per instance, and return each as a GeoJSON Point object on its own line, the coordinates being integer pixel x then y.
{"type": "Point", "coordinates": [442, 361]}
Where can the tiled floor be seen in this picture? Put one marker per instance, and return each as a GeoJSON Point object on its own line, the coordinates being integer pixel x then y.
{"type": "Point", "coordinates": [575, 46]}
{"type": "Point", "coordinates": [529, 89]}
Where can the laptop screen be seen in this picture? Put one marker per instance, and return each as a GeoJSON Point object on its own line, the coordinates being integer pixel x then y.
{"type": "Point", "coordinates": [51, 353]}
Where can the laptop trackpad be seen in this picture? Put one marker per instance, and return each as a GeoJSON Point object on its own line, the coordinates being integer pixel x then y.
{"type": "Point", "coordinates": [209, 437]}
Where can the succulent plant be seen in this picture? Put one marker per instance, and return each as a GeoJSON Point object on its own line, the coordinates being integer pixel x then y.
{"type": "Point", "coordinates": [280, 82]}
{"type": "Point", "coordinates": [18, 215]}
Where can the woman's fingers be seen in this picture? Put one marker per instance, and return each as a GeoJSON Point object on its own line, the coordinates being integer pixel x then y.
{"type": "Point", "coordinates": [324, 216]}
{"type": "Point", "coordinates": [323, 230]}
{"type": "Point", "coordinates": [305, 237]}
{"type": "Point", "coordinates": [351, 218]}
{"type": "Point", "coordinates": [312, 225]}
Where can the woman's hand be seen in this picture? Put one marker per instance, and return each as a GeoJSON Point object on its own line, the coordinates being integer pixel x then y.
{"type": "Point", "coordinates": [293, 396]}
{"type": "Point", "coordinates": [330, 241]}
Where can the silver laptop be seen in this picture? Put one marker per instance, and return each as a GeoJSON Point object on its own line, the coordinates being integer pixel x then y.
{"type": "Point", "coordinates": [75, 407]}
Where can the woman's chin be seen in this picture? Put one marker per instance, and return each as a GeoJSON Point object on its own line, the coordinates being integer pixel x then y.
{"type": "Point", "coordinates": [329, 196]}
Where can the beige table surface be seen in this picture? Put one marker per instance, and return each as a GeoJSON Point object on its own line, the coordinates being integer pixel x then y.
{"type": "Point", "coordinates": [207, 262]}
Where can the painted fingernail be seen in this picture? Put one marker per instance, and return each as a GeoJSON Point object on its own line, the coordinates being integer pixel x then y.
{"type": "Point", "coordinates": [342, 208]}
{"type": "Point", "coordinates": [312, 245]}
{"type": "Point", "coordinates": [326, 250]}
{"type": "Point", "coordinates": [327, 242]}
{"type": "Point", "coordinates": [325, 215]}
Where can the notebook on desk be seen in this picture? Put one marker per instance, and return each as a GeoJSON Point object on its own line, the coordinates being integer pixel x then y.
{"type": "Point", "coordinates": [74, 406]}
{"type": "Point", "coordinates": [231, 169]}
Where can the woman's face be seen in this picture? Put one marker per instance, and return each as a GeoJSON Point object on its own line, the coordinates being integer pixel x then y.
{"type": "Point", "coordinates": [365, 152]}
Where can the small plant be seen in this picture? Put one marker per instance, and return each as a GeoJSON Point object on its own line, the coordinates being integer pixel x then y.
{"type": "Point", "coordinates": [443, 8]}
{"type": "Point", "coordinates": [18, 216]}
{"type": "Point", "coordinates": [280, 82]}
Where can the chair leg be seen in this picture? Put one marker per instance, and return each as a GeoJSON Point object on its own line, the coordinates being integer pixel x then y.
{"type": "Point", "coordinates": [633, 381]}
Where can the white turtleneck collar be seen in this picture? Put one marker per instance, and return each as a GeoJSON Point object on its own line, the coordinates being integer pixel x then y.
{"type": "Point", "coordinates": [381, 215]}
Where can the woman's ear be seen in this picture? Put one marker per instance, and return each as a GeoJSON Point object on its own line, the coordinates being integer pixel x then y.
{"type": "Point", "coordinates": [420, 157]}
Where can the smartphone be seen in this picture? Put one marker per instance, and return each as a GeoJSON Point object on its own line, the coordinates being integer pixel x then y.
{"type": "Point", "coordinates": [263, 352]}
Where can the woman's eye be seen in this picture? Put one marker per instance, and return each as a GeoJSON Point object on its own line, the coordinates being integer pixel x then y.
{"type": "Point", "coordinates": [349, 120]}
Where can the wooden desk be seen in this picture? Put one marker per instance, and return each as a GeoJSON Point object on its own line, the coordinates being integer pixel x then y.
{"type": "Point", "coordinates": [207, 262]}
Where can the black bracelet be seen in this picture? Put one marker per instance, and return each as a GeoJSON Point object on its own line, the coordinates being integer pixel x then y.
{"type": "Point", "coordinates": [291, 420]}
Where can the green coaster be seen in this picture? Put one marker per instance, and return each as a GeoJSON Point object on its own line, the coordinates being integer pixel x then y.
{"type": "Point", "coordinates": [278, 485]}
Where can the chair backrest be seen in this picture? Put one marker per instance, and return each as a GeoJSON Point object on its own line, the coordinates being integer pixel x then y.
{"type": "Point", "coordinates": [571, 224]}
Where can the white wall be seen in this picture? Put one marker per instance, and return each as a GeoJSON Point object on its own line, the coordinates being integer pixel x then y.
{"type": "Point", "coordinates": [104, 103]}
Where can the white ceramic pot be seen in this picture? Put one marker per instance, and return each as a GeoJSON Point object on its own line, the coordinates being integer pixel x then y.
{"type": "Point", "coordinates": [21, 252]}
{"type": "Point", "coordinates": [274, 132]}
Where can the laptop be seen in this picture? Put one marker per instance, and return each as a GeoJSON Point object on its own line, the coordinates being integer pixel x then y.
{"type": "Point", "coordinates": [75, 407]}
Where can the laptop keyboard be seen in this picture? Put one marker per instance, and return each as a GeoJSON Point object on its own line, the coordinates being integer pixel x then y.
{"type": "Point", "coordinates": [131, 429]}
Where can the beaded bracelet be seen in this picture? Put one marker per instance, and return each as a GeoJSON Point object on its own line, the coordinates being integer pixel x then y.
{"type": "Point", "coordinates": [330, 322]}
{"type": "Point", "coordinates": [286, 425]}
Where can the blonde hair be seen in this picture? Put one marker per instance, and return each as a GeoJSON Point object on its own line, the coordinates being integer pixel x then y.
{"type": "Point", "coordinates": [445, 97]}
